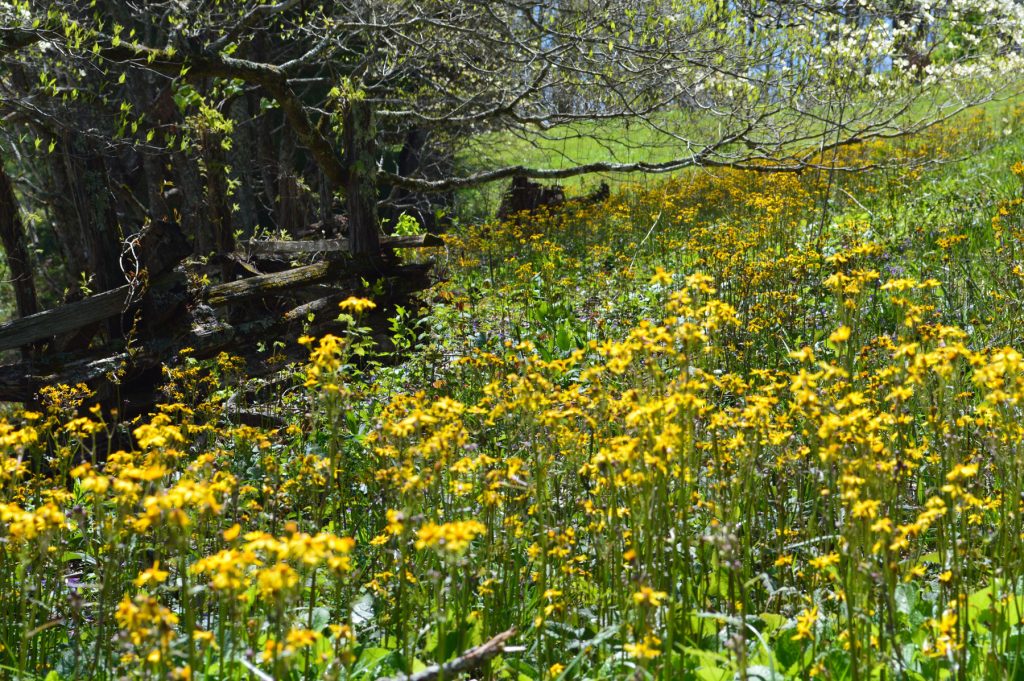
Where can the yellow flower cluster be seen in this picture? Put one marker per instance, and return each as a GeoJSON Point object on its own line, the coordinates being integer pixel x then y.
{"type": "Point", "coordinates": [453, 538]}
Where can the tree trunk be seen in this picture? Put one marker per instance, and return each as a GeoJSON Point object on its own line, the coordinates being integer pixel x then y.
{"type": "Point", "coordinates": [266, 159]}
{"type": "Point", "coordinates": [290, 216]}
{"type": "Point", "coordinates": [153, 168]}
{"type": "Point", "coordinates": [185, 199]}
{"type": "Point", "coordinates": [12, 235]}
{"type": "Point", "coordinates": [66, 227]}
{"type": "Point", "coordinates": [89, 219]}
{"type": "Point", "coordinates": [326, 195]}
{"type": "Point", "coordinates": [240, 157]}
{"type": "Point", "coordinates": [360, 184]}
{"type": "Point", "coordinates": [221, 238]}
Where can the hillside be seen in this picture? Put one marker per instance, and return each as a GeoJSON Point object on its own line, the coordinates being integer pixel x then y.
{"type": "Point", "coordinates": [703, 429]}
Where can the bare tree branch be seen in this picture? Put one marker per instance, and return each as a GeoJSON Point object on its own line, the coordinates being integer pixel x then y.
{"type": "Point", "coordinates": [468, 661]}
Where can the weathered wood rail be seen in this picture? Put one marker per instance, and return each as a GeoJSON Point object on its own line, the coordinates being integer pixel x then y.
{"type": "Point", "coordinates": [265, 248]}
{"type": "Point", "coordinates": [63, 319]}
{"type": "Point", "coordinates": [173, 315]}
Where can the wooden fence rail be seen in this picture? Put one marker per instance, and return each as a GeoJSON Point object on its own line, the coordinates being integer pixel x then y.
{"type": "Point", "coordinates": [173, 315]}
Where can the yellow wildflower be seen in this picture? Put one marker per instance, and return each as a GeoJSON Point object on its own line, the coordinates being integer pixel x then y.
{"type": "Point", "coordinates": [356, 305]}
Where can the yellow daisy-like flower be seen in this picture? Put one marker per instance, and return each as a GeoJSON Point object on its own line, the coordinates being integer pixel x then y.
{"type": "Point", "coordinates": [805, 622]}
{"type": "Point", "coordinates": [648, 596]}
{"type": "Point", "coordinates": [450, 537]}
{"type": "Point", "coordinates": [647, 649]}
{"type": "Point", "coordinates": [232, 532]}
{"type": "Point", "coordinates": [866, 509]}
{"type": "Point", "coordinates": [356, 305]}
{"type": "Point", "coordinates": [153, 574]}
{"type": "Point", "coordinates": [840, 335]}
{"type": "Point", "coordinates": [962, 472]}
{"type": "Point", "coordinates": [661, 276]}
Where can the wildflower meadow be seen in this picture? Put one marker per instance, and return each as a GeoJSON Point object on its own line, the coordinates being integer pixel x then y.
{"type": "Point", "coordinates": [728, 425]}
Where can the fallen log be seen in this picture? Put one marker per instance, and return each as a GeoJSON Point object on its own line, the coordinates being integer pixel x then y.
{"type": "Point", "coordinates": [297, 314]}
{"type": "Point", "coordinates": [21, 381]}
{"type": "Point", "coordinates": [240, 415]}
{"type": "Point", "coordinates": [155, 251]}
{"type": "Point", "coordinates": [168, 315]}
{"type": "Point", "coordinates": [73, 316]}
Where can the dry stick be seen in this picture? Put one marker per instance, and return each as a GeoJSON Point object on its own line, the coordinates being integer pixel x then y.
{"type": "Point", "coordinates": [471, 659]}
{"type": "Point", "coordinates": [859, 204]}
{"type": "Point", "coordinates": [256, 671]}
{"type": "Point", "coordinates": [644, 240]}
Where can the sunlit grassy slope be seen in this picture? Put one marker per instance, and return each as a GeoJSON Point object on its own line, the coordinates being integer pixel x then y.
{"type": "Point", "coordinates": [669, 137]}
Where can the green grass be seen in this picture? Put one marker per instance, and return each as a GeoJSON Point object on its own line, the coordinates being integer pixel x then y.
{"type": "Point", "coordinates": [622, 141]}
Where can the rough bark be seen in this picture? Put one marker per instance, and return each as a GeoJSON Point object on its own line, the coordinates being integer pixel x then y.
{"type": "Point", "coordinates": [236, 291]}
{"type": "Point", "coordinates": [153, 168]}
{"type": "Point", "coordinates": [162, 110]}
{"type": "Point", "coordinates": [287, 249]}
{"type": "Point", "coordinates": [92, 212]}
{"type": "Point", "coordinates": [359, 140]}
{"type": "Point", "coordinates": [220, 238]}
{"type": "Point", "coordinates": [266, 158]}
{"type": "Point", "coordinates": [290, 216]}
{"type": "Point", "coordinates": [12, 236]}
{"type": "Point", "coordinates": [65, 223]}
{"type": "Point", "coordinates": [240, 156]}
{"type": "Point", "coordinates": [186, 198]}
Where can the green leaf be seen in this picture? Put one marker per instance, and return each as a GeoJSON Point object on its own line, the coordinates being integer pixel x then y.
{"type": "Point", "coordinates": [788, 651]}
{"type": "Point", "coordinates": [369, 661]}
{"type": "Point", "coordinates": [763, 673]}
{"type": "Point", "coordinates": [712, 666]}
{"type": "Point", "coordinates": [321, 618]}
{"type": "Point", "coordinates": [564, 339]}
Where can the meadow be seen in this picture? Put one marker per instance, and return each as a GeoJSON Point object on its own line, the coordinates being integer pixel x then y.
{"type": "Point", "coordinates": [725, 425]}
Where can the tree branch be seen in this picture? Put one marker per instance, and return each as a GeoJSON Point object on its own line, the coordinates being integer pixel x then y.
{"type": "Point", "coordinates": [14, 39]}
{"type": "Point", "coordinates": [271, 77]}
{"type": "Point", "coordinates": [471, 659]}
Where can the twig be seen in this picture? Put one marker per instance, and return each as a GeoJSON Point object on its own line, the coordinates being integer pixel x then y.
{"type": "Point", "coordinates": [256, 671]}
{"type": "Point", "coordinates": [861, 205]}
{"type": "Point", "coordinates": [471, 659]}
{"type": "Point", "coordinates": [644, 240]}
